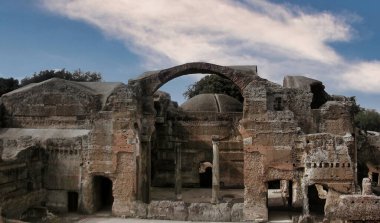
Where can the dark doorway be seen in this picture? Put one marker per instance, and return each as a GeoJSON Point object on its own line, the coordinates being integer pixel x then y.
{"type": "Point", "coordinates": [316, 204]}
{"type": "Point", "coordinates": [375, 179]}
{"type": "Point", "coordinates": [274, 184]}
{"type": "Point", "coordinates": [205, 179]}
{"type": "Point", "coordinates": [72, 201]}
{"type": "Point", "coordinates": [103, 198]}
{"type": "Point", "coordinates": [290, 195]}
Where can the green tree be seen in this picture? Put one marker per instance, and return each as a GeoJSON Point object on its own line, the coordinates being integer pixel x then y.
{"type": "Point", "coordinates": [77, 75]}
{"type": "Point", "coordinates": [7, 85]}
{"type": "Point", "coordinates": [213, 84]}
{"type": "Point", "coordinates": [368, 120]}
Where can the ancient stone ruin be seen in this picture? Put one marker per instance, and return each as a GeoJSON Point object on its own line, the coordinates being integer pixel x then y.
{"type": "Point", "coordinates": [127, 148]}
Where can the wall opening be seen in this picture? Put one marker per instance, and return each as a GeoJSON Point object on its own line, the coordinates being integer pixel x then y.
{"type": "Point", "coordinates": [205, 177]}
{"type": "Point", "coordinates": [279, 194]}
{"type": "Point", "coordinates": [278, 104]}
{"type": "Point", "coordinates": [183, 135]}
{"type": "Point", "coordinates": [280, 200]}
{"type": "Point", "coordinates": [72, 201]}
{"type": "Point", "coordinates": [103, 198]}
{"type": "Point", "coordinates": [320, 96]}
{"type": "Point", "coordinates": [317, 200]}
{"type": "Point", "coordinates": [375, 179]}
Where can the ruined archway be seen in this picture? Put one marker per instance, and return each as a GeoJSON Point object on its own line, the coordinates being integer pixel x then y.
{"type": "Point", "coordinates": [260, 96]}
{"type": "Point", "coordinates": [239, 75]}
{"type": "Point", "coordinates": [190, 131]}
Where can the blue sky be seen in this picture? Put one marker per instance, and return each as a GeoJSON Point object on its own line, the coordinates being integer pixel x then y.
{"type": "Point", "coordinates": [336, 42]}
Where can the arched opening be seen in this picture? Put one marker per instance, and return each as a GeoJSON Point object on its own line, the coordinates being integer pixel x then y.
{"type": "Point", "coordinates": [205, 175]}
{"type": "Point", "coordinates": [182, 136]}
{"type": "Point", "coordinates": [103, 198]}
{"type": "Point", "coordinates": [317, 199]}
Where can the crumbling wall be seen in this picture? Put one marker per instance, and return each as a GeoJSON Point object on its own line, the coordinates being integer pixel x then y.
{"type": "Point", "coordinates": [327, 158]}
{"type": "Point", "coordinates": [56, 169]}
{"type": "Point", "coordinates": [329, 161]}
{"type": "Point", "coordinates": [124, 124]}
{"type": "Point", "coordinates": [54, 103]}
{"type": "Point", "coordinates": [299, 101]}
{"type": "Point", "coordinates": [269, 135]}
{"type": "Point", "coordinates": [113, 152]}
{"type": "Point", "coordinates": [21, 182]}
{"type": "Point", "coordinates": [13, 208]}
{"type": "Point", "coordinates": [358, 208]}
{"type": "Point", "coordinates": [336, 118]}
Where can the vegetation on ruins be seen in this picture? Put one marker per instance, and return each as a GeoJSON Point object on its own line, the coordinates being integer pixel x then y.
{"type": "Point", "coordinates": [7, 85]}
{"type": "Point", "coordinates": [77, 75]}
{"type": "Point", "coordinates": [10, 84]}
{"type": "Point", "coordinates": [213, 84]}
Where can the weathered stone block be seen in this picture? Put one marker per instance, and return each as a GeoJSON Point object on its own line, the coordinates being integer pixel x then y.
{"type": "Point", "coordinates": [209, 212]}
{"type": "Point", "coordinates": [167, 210]}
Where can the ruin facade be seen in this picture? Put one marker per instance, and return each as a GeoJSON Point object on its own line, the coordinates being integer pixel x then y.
{"type": "Point", "coordinates": [73, 146]}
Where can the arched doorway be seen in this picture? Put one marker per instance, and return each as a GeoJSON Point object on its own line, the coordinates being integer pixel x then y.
{"type": "Point", "coordinates": [205, 175]}
{"type": "Point", "coordinates": [103, 198]}
{"type": "Point", "coordinates": [190, 132]}
{"type": "Point", "coordinates": [253, 89]}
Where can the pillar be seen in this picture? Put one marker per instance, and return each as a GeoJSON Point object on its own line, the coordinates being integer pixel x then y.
{"type": "Point", "coordinates": [366, 186]}
{"type": "Point", "coordinates": [144, 169]}
{"type": "Point", "coordinates": [284, 185]}
{"type": "Point", "coordinates": [215, 172]}
{"type": "Point", "coordinates": [297, 196]}
{"type": "Point", "coordinates": [305, 200]}
{"type": "Point", "coordinates": [178, 175]}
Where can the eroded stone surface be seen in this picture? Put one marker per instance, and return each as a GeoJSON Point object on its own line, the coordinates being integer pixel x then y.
{"type": "Point", "coordinates": [95, 146]}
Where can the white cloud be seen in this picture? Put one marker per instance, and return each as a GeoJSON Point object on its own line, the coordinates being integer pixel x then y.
{"type": "Point", "coordinates": [281, 39]}
{"type": "Point", "coordinates": [362, 76]}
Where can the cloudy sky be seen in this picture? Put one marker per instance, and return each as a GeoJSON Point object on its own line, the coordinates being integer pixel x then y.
{"type": "Point", "coordinates": [336, 42]}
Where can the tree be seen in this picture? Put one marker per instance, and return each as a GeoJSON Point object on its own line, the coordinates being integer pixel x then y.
{"type": "Point", "coordinates": [368, 120]}
{"type": "Point", "coordinates": [213, 84]}
{"type": "Point", "coordinates": [77, 75]}
{"type": "Point", "coordinates": [7, 85]}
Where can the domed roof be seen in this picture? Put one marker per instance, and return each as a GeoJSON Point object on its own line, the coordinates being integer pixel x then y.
{"type": "Point", "coordinates": [212, 103]}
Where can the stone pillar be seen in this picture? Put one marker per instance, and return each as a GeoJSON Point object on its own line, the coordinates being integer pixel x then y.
{"type": "Point", "coordinates": [178, 175]}
{"type": "Point", "coordinates": [215, 171]}
{"type": "Point", "coordinates": [255, 188]}
{"type": "Point", "coordinates": [145, 169]}
{"type": "Point", "coordinates": [305, 201]}
{"type": "Point", "coordinates": [284, 187]}
{"type": "Point", "coordinates": [139, 170]}
{"type": "Point", "coordinates": [297, 198]}
{"type": "Point", "coordinates": [367, 187]}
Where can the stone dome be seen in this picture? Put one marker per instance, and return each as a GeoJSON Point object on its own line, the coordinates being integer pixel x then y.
{"type": "Point", "coordinates": [212, 103]}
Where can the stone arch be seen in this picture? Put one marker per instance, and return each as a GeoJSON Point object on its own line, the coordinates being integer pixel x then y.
{"type": "Point", "coordinates": [239, 75]}
{"type": "Point", "coordinates": [258, 94]}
